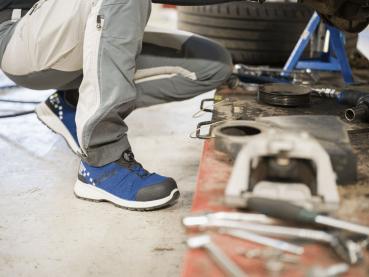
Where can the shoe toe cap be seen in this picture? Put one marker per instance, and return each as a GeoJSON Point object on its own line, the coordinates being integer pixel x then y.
{"type": "Point", "coordinates": [157, 191]}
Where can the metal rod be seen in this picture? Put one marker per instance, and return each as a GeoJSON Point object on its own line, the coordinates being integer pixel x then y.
{"type": "Point", "coordinates": [274, 243]}
{"type": "Point", "coordinates": [341, 224]}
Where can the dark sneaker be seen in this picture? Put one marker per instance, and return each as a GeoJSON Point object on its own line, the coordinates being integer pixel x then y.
{"type": "Point", "coordinates": [127, 184]}
{"type": "Point", "coordinates": [58, 115]}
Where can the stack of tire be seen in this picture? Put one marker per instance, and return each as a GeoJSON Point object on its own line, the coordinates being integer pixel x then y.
{"type": "Point", "coordinates": [254, 34]}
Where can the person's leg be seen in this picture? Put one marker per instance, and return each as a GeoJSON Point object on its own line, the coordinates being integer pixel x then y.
{"type": "Point", "coordinates": [172, 66]}
{"type": "Point", "coordinates": [45, 50]}
{"type": "Point", "coordinates": [179, 65]}
{"type": "Point", "coordinates": [52, 44]}
{"type": "Point", "coordinates": [113, 40]}
{"type": "Point", "coordinates": [108, 170]}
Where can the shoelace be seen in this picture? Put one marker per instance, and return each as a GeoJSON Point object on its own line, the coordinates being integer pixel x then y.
{"type": "Point", "coordinates": [138, 169]}
{"type": "Point", "coordinates": [133, 165]}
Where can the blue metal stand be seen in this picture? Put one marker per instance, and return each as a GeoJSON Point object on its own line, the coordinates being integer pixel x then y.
{"type": "Point", "coordinates": [334, 60]}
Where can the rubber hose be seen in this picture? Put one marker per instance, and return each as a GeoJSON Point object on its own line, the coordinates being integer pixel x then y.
{"type": "Point", "coordinates": [192, 2]}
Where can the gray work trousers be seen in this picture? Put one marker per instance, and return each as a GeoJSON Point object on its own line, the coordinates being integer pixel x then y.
{"type": "Point", "coordinates": [102, 48]}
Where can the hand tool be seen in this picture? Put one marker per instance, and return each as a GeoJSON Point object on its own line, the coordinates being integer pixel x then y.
{"type": "Point", "coordinates": [274, 243]}
{"type": "Point", "coordinates": [268, 75]}
{"type": "Point", "coordinates": [331, 271]}
{"type": "Point", "coordinates": [235, 216]}
{"type": "Point", "coordinates": [270, 253]}
{"type": "Point", "coordinates": [290, 212]}
{"type": "Point", "coordinates": [285, 165]}
{"type": "Point", "coordinates": [346, 248]}
{"type": "Point", "coordinates": [205, 242]}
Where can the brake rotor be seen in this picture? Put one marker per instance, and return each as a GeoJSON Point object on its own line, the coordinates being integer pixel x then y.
{"type": "Point", "coordinates": [284, 95]}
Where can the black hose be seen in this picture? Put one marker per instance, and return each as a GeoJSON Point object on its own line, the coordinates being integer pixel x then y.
{"type": "Point", "coordinates": [19, 101]}
{"type": "Point", "coordinates": [192, 2]}
{"type": "Point", "coordinates": [16, 114]}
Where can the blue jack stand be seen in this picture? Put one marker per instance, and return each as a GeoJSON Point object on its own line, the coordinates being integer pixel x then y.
{"type": "Point", "coordinates": [333, 60]}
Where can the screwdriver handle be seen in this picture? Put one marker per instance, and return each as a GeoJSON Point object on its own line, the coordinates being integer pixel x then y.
{"type": "Point", "coordinates": [281, 209]}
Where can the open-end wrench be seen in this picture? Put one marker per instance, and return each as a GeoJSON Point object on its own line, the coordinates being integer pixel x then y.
{"type": "Point", "coordinates": [249, 217]}
{"type": "Point", "coordinates": [347, 249]}
{"type": "Point", "coordinates": [199, 221]}
{"type": "Point", "coordinates": [205, 242]}
{"type": "Point", "coordinates": [274, 243]}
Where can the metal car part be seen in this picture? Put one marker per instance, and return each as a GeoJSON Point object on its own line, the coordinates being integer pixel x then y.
{"type": "Point", "coordinates": [232, 135]}
{"type": "Point", "coordinates": [285, 151]}
{"type": "Point", "coordinates": [349, 15]}
{"type": "Point", "coordinates": [335, 140]}
{"type": "Point", "coordinates": [284, 95]}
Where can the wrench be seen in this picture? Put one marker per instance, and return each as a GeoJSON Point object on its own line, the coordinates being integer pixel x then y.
{"type": "Point", "coordinates": [274, 243]}
{"type": "Point", "coordinates": [346, 248]}
{"type": "Point", "coordinates": [205, 242]}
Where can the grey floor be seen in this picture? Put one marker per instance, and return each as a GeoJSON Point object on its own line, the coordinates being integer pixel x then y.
{"type": "Point", "coordinates": [46, 231]}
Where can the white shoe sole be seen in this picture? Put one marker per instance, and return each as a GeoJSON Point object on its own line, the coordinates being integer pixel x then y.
{"type": "Point", "coordinates": [46, 116]}
{"type": "Point", "coordinates": [89, 192]}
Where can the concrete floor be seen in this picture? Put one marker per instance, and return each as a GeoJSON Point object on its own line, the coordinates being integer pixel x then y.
{"type": "Point", "coordinates": [46, 231]}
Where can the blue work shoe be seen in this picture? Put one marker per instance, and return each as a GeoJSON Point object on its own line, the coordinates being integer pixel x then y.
{"type": "Point", "coordinates": [59, 115]}
{"type": "Point", "coordinates": [126, 184]}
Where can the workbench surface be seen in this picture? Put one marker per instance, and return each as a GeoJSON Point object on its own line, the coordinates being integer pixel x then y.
{"type": "Point", "coordinates": [214, 172]}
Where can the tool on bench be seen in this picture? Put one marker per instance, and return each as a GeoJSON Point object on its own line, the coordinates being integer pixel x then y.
{"type": "Point", "coordinates": [205, 242]}
{"type": "Point", "coordinates": [331, 271]}
{"type": "Point", "coordinates": [275, 260]}
{"type": "Point", "coordinates": [274, 243]}
{"type": "Point", "coordinates": [266, 75]}
{"type": "Point", "coordinates": [270, 253]}
{"type": "Point", "coordinates": [358, 100]}
{"type": "Point", "coordinates": [235, 216]}
{"type": "Point", "coordinates": [286, 211]}
{"type": "Point", "coordinates": [214, 221]}
{"type": "Point", "coordinates": [346, 248]}
{"type": "Point", "coordinates": [209, 221]}
{"type": "Point", "coordinates": [287, 166]}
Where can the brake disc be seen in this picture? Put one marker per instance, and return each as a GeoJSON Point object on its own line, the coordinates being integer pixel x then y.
{"type": "Point", "coordinates": [284, 95]}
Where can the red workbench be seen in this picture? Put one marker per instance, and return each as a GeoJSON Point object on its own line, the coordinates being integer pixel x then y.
{"type": "Point", "coordinates": [213, 175]}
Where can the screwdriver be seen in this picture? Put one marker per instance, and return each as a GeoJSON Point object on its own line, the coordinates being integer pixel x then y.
{"type": "Point", "coordinates": [289, 212]}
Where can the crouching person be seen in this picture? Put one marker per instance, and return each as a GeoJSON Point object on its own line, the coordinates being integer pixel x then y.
{"type": "Point", "coordinates": [103, 64]}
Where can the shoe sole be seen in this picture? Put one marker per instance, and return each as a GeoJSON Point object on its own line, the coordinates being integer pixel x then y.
{"type": "Point", "coordinates": [50, 120]}
{"type": "Point", "coordinates": [88, 192]}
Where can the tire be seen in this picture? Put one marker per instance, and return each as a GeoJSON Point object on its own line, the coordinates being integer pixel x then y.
{"type": "Point", "coordinates": [255, 34]}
